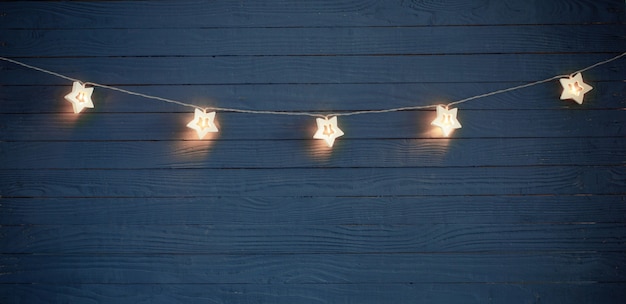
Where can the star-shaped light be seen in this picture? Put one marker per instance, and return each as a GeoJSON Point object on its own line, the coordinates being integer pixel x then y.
{"type": "Point", "coordinates": [80, 97]}
{"type": "Point", "coordinates": [327, 130]}
{"type": "Point", "coordinates": [203, 122]}
{"type": "Point", "coordinates": [574, 88]}
{"type": "Point", "coordinates": [446, 120]}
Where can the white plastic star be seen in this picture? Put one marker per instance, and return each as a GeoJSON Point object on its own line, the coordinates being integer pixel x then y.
{"type": "Point", "coordinates": [327, 130]}
{"type": "Point", "coordinates": [446, 120]}
{"type": "Point", "coordinates": [80, 97]}
{"type": "Point", "coordinates": [203, 123]}
{"type": "Point", "coordinates": [574, 88]}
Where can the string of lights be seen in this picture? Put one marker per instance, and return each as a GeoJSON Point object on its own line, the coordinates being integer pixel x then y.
{"type": "Point", "coordinates": [327, 128]}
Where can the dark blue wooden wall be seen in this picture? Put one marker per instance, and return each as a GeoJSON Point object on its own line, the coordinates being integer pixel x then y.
{"type": "Point", "coordinates": [122, 204]}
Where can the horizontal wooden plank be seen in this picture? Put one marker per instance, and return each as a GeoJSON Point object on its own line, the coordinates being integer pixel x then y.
{"type": "Point", "coordinates": [513, 293]}
{"type": "Point", "coordinates": [320, 97]}
{"type": "Point", "coordinates": [302, 239]}
{"type": "Point", "coordinates": [312, 269]}
{"type": "Point", "coordinates": [437, 209]}
{"type": "Point", "coordinates": [376, 182]}
{"type": "Point", "coordinates": [280, 154]}
{"type": "Point", "coordinates": [276, 13]}
{"type": "Point", "coordinates": [313, 69]}
{"type": "Point", "coordinates": [313, 41]}
{"type": "Point", "coordinates": [501, 124]}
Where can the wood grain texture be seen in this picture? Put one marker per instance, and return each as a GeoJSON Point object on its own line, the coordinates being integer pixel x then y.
{"type": "Point", "coordinates": [314, 181]}
{"type": "Point", "coordinates": [357, 153]}
{"type": "Point", "coordinates": [309, 97]}
{"type": "Point", "coordinates": [313, 69]}
{"type": "Point", "coordinates": [302, 239]}
{"type": "Point", "coordinates": [558, 292]}
{"type": "Point", "coordinates": [331, 41]}
{"type": "Point", "coordinates": [276, 13]}
{"type": "Point", "coordinates": [123, 204]}
{"type": "Point", "coordinates": [315, 210]}
{"type": "Point", "coordinates": [312, 268]}
{"type": "Point", "coordinates": [235, 126]}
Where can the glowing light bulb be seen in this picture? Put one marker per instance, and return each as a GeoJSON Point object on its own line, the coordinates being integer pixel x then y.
{"type": "Point", "coordinates": [574, 88]}
{"type": "Point", "coordinates": [327, 130]}
{"type": "Point", "coordinates": [446, 120]}
{"type": "Point", "coordinates": [80, 97]}
{"type": "Point", "coordinates": [203, 123]}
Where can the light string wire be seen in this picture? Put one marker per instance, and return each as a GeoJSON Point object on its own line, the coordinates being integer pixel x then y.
{"type": "Point", "coordinates": [311, 114]}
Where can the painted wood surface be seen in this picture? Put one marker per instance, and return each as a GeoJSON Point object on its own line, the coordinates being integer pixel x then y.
{"type": "Point", "coordinates": [315, 69]}
{"type": "Point", "coordinates": [123, 204]}
{"type": "Point", "coordinates": [316, 13]}
{"type": "Point", "coordinates": [314, 97]}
